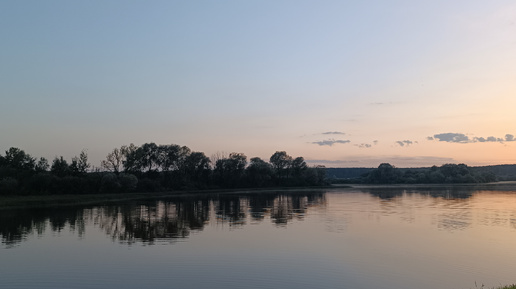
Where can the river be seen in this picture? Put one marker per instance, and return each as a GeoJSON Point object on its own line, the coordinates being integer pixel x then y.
{"type": "Point", "coordinates": [363, 237]}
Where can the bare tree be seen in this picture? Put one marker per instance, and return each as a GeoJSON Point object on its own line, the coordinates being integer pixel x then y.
{"type": "Point", "coordinates": [114, 160]}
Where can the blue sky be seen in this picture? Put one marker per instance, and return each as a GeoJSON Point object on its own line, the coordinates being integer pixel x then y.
{"type": "Point", "coordinates": [340, 83]}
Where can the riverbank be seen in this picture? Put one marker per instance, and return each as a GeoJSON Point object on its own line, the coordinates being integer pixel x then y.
{"type": "Point", "coordinates": [14, 201]}
{"type": "Point", "coordinates": [9, 202]}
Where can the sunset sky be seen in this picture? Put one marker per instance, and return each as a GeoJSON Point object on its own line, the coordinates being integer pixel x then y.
{"type": "Point", "coordinates": [341, 83]}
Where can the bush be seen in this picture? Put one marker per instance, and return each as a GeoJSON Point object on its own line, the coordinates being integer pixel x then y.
{"type": "Point", "coordinates": [148, 185]}
{"type": "Point", "coordinates": [41, 183]}
{"type": "Point", "coordinates": [71, 185]}
{"type": "Point", "coordinates": [8, 186]}
{"type": "Point", "coordinates": [128, 182]}
{"type": "Point", "coordinates": [109, 184]}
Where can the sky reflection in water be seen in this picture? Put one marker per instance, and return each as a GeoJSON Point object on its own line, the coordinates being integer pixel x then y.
{"type": "Point", "coordinates": [360, 238]}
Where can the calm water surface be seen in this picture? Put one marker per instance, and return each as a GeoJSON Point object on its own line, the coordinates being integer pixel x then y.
{"type": "Point", "coordinates": [441, 237]}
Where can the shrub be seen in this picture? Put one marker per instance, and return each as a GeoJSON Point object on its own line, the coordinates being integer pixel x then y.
{"type": "Point", "coordinates": [128, 182]}
{"type": "Point", "coordinates": [109, 183]}
{"type": "Point", "coordinates": [148, 185]}
{"type": "Point", "coordinates": [8, 186]}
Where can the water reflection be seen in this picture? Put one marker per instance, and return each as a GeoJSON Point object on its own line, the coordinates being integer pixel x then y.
{"type": "Point", "coordinates": [152, 221]}
{"type": "Point", "coordinates": [18, 224]}
{"type": "Point", "coordinates": [447, 193]}
{"type": "Point", "coordinates": [454, 208]}
{"type": "Point", "coordinates": [448, 209]}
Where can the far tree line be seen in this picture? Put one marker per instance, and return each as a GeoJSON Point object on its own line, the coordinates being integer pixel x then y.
{"type": "Point", "coordinates": [151, 167]}
{"type": "Point", "coordinates": [445, 174]}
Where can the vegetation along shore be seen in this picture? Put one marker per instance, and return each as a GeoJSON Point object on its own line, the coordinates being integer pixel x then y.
{"type": "Point", "coordinates": [164, 168]}
{"type": "Point", "coordinates": [151, 168]}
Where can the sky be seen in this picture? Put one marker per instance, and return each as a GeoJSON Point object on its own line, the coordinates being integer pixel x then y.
{"type": "Point", "coordinates": [340, 83]}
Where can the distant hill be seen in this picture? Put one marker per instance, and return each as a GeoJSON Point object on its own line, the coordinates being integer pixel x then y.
{"type": "Point", "coordinates": [346, 173]}
{"type": "Point", "coordinates": [502, 172]}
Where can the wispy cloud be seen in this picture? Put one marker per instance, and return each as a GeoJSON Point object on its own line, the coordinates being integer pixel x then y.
{"type": "Point", "coordinates": [462, 138]}
{"type": "Point", "coordinates": [333, 132]}
{"type": "Point", "coordinates": [403, 143]}
{"type": "Point", "coordinates": [330, 142]}
{"type": "Point", "coordinates": [366, 145]}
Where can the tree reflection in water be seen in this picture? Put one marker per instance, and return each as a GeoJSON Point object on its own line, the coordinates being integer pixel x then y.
{"type": "Point", "coordinates": [152, 221]}
{"type": "Point", "coordinates": [175, 218]}
{"type": "Point", "coordinates": [18, 224]}
{"type": "Point", "coordinates": [452, 204]}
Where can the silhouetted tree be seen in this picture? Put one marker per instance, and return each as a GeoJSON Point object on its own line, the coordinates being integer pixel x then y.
{"type": "Point", "coordinates": [147, 156]}
{"type": "Point", "coordinates": [197, 169]}
{"type": "Point", "coordinates": [259, 172]}
{"type": "Point", "coordinates": [298, 166]}
{"type": "Point", "coordinates": [42, 165]}
{"type": "Point", "coordinates": [169, 157]}
{"type": "Point", "coordinates": [79, 164]}
{"type": "Point", "coordinates": [229, 171]}
{"type": "Point", "coordinates": [281, 163]}
{"type": "Point", "coordinates": [115, 159]}
{"type": "Point", "coordinates": [315, 176]}
{"type": "Point", "coordinates": [60, 167]}
{"type": "Point", "coordinates": [131, 162]}
{"type": "Point", "coordinates": [18, 159]}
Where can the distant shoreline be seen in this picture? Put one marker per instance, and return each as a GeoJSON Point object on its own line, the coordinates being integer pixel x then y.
{"type": "Point", "coordinates": [430, 185]}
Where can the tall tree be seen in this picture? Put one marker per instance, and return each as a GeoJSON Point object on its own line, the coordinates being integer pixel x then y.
{"type": "Point", "coordinates": [298, 166]}
{"type": "Point", "coordinates": [148, 156]}
{"type": "Point", "coordinates": [115, 159]}
{"type": "Point", "coordinates": [259, 172]}
{"type": "Point", "coordinates": [228, 171]}
{"type": "Point", "coordinates": [197, 168]}
{"type": "Point", "coordinates": [60, 167]}
{"type": "Point", "coordinates": [281, 163]}
{"type": "Point", "coordinates": [80, 164]}
{"type": "Point", "coordinates": [131, 162]}
{"type": "Point", "coordinates": [18, 159]}
{"type": "Point", "coordinates": [168, 157]}
{"type": "Point", "coordinates": [42, 165]}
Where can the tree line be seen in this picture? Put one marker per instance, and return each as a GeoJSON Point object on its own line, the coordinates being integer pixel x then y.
{"type": "Point", "coordinates": [151, 167]}
{"type": "Point", "coordinates": [447, 173]}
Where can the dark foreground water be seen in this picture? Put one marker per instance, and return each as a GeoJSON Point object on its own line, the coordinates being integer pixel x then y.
{"type": "Point", "coordinates": [348, 238]}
